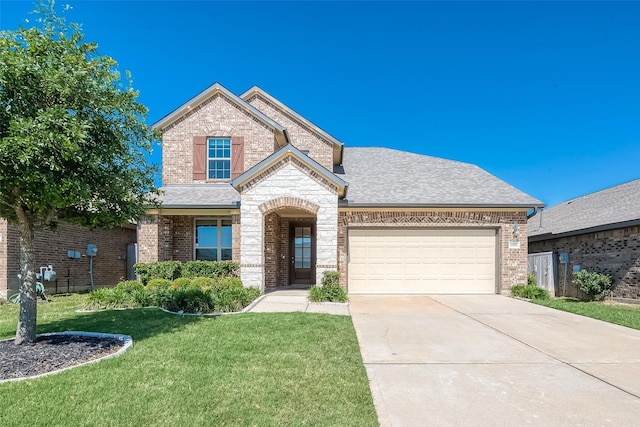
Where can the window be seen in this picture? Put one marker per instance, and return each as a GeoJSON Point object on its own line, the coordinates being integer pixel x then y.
{"type": "Point", "coordinates": [219, 158]}
{"type": "Point", "coordinates": [213, 239]}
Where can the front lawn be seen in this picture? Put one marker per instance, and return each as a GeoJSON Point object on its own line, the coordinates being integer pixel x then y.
{"type": "Point", "coordinates": [249, 369]}
{"type": "Point", "coordinates": [625, 315]}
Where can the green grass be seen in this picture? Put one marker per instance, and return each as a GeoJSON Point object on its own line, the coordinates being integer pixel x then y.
{"type": "Point", "coordinates": [619, 314]}
{"type": "Point", "coordinates": [249, 369]}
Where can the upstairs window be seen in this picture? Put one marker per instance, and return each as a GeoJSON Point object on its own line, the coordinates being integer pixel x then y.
{"type": "Point", "coordinates": [219, 158]}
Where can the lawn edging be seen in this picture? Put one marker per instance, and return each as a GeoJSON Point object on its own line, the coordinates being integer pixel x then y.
{"type": "Point", "coordinates": [126, 339]}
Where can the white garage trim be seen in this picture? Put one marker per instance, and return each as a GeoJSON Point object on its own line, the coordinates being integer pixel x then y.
{"type": "Point", "coordinates": [403, 260]}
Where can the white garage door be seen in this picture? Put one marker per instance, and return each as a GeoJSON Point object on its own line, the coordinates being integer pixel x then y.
{"type": "Point", "coordinates": [411, 261]}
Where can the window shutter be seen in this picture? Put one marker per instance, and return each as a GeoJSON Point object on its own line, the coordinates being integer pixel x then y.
{"type": "Point", "coordinates": [199, 158]}
{"type": "Point", "coordinates": [237, 156]}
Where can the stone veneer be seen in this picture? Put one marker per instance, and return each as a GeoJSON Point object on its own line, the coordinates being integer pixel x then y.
{"type": "Point", "coordinates": [512, 263]}
{"type": "Point", "coordinates": [615, 252]}
{"type": "Point", "coordinates": [282, 186]}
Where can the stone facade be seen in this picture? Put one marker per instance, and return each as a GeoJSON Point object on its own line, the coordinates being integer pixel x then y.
{"type": "Point", "coordinates": [299, 134]}
{"type": "Point", "coordinates": [512, 262]}
{"type": "Point", "coordinates": [283, 186]}
{"type": "Point", "coordinates": [614, 252]}
{"type": "Point", "coordinates": [215, 117]}
{"type": "Point", "coordinates": [109, 266]}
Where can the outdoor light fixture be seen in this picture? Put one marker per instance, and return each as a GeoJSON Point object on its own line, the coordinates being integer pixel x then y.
{"type": "Point", "coordinates": [516, 230]}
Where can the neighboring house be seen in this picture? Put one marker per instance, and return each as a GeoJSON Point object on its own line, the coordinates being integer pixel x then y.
{"type": "Point", "coordinates": [247, 178]}
{"type": "Point", "coordinates": [600, 232]}
{"type": "Point", "coordinates": [51, 248]}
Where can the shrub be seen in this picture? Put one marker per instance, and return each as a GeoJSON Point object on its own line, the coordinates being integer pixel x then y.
{"type": "Point", "coordinates": [222, 283]}
{"type": "Point", "coordinates": [330, 291]}
{"type": "Point", "coordinates": [529, 291]}
{"type": "Point", "coordinates": [169, 270]}
{"type": "Point", "coordinates": [234, 299]}
{"type": "Point", "coordinates": [129, 286]}
{"type": "Point", "coordinates": [182, 283]}
{"type": "Point", "coordinates": [594, 285]}
{"type": "Point", "coordinates": [194, 269]}
{"type": "Point", "coordinates": [191, 300]}
{"type": "Point", "coordinates": [531, 280]}
{"type": "Point", "coordinates": [158, 284]}
{"type": "Point", "coordinates": [109, 298]}
{"type": "Point", "coordinates": [204, 283]}
{"type": "Point", "coordinates": [141, 298]}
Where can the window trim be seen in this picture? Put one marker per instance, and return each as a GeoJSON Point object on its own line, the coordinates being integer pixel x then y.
{"type": "Point", "coordinates": [229, 159]}
{"type": "Point", "coordinates": [219, 247]}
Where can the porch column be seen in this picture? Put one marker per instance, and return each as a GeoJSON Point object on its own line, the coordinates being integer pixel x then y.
{"type": "Point", "coordinates": [251, 244]}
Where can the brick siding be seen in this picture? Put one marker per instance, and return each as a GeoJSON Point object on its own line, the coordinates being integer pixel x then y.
{"type": "Point", "coordinates": [109, 266]}
{"type": "Point", "coordinates": [215, 117]}
{"type": "Point", "coordinates": [614, 252]}
{"type": "Point", "coordinates": [300, 135]}
{"type": "Point", "coordinates": [512, 263]}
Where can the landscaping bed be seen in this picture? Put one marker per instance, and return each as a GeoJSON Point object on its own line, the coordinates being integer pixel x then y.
{"type": "Point", "coordinates": [51, 353]}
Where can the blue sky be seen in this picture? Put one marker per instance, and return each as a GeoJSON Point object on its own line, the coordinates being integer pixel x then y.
{"type": "Point", "coordinates": [544, 95]}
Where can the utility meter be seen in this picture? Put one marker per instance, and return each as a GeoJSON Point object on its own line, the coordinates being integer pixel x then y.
{"type": "Point", "coordinates": [92, 250]}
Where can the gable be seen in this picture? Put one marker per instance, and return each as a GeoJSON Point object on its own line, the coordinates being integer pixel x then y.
{"type": "Point", "coordinates": [289, 157]}
{"type": "Point", "coordinates": [301, 132]}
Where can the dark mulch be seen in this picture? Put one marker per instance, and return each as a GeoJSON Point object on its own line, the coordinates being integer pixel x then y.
{"type": "Point", "coordinates": [52, 352]}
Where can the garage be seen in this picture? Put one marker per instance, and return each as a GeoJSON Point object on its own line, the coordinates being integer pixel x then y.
{"type": "Point", "coordinates": [421, 261]}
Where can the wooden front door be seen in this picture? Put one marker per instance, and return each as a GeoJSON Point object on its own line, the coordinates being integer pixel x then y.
{"type": "Point", "coordinates": [302, 248]}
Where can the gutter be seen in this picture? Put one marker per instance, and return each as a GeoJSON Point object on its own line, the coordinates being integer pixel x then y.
{"type": "Point", "coordinates": [347, 204]}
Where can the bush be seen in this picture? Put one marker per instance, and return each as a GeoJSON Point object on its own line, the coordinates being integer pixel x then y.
{"type": "Point", "coordinates": [109, 298]}
{"type": "Point", "coordinates": [169, 270]}
{"type": "Point", "coordinates": [158, 284]}
{"type": "Point", "coordinates": [529, 291]}
{"type": "Point", "coordinates": [191, 300]}
{"type": "Point", "coordinates": [330, 290]}
{"type": "Point", "coordinates": [182, 283]}
{"type": "Point", "coordinates": [531, 280]}
{"type": "Point", "coordinates": [234, 299]}
{"type": "Point", "coordinates": [129, 286]}
{"type": "Point", "coordinates": [194, 269]}
{"type": "Point", "coordinates": [222, 283]}
{"type": "Point", "coordinates": [594, 285]}
{"type": "Point", "coordinates": [204, 283]}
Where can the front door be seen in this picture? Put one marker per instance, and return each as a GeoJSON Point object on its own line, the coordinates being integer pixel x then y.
{"type": "Point", "coordinates": [303, 257]}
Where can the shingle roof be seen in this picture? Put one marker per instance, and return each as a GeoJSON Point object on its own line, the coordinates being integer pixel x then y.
{"type": "Point", "coordinates": [179, 196]}
{"type": "Point", "coordinates": [383, 176]}
{"type": "Point", "coordinates": [609, 208]}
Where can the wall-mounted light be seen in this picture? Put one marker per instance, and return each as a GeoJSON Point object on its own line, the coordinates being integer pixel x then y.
{"type": "Point", "coordinates": [516, 230]}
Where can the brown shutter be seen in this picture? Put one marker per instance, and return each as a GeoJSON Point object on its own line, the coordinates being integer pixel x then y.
{"type": "Point", "coordinates": [237, 156]}
{"type": "Point", "coordinates": [199, 158]}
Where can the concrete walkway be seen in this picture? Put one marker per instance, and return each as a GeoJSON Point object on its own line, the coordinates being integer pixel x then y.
{"type": "Point", "coordinates": [489, 360]}
{"type": "Point", "coordinates": [296, 300]}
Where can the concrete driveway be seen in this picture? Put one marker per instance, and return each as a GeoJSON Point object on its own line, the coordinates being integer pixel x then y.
{"type": "Point", "coordinates": [489, 360]}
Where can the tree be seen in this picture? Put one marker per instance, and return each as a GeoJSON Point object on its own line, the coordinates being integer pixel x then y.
{"type": "Point", "coordinates": [73, 141]}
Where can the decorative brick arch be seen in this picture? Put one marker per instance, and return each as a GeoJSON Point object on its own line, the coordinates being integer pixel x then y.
{"type": "Point", "coordinates": [288, 202]}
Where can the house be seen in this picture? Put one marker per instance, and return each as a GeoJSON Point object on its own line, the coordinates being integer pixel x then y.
{"type": "Point", "coordinates": [247, 178]}
{"type": "Point", "coordinates": [599, 231]}
{"type": "Point", "coordinates": [115, 254]}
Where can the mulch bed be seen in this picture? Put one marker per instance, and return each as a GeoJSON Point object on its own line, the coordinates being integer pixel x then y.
{"type": "Point", "coordinates": [52, 352]}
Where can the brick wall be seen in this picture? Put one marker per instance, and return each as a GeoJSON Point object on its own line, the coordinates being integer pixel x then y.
{"type": "Point", "coordinates": [272, 249]}
{"type": "Point", "coordinates": [614, 252]}
{"type": "Point", "coordinates": [109, 266]}
{"type": "Point", "coordinates": [216, 117]}
{"type": "Point", "coordinates": [299, 134]}
{"type": "Point", "coordinates": [512, 262]}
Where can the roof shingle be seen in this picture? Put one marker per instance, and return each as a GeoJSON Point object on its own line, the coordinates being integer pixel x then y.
{"type": "Point", "coordinates": [604, 208]}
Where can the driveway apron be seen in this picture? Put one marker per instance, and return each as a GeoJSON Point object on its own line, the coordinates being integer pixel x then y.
{"type": "Point", "coordinates": [490, 360]}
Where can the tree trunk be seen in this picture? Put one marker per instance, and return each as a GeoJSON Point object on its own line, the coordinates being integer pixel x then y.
{"type": "Point", "coordinates": [26, 331]}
